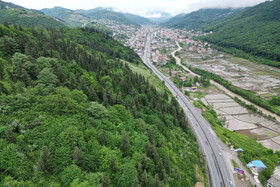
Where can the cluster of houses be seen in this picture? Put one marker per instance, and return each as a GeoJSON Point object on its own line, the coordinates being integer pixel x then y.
{"type": "Point", "coordinates": [133, 37]}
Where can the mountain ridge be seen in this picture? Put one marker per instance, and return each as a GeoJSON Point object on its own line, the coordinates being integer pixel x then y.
{"type": "Point", "coordinates": [14, 14]}
{"type": "Point", "coordinates": [252, 33]}
{"type": "Point", "coordinates": [199, 19]}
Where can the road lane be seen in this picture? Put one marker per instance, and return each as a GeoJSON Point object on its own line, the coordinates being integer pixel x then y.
{"type": "Point", "coordinates": [220, 174]}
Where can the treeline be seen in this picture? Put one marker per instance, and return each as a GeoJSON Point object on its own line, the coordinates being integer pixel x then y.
{"type": "Point", "coordinates": [199, 19]}
{"type": "Point", "coordinates": [27, 18]}
{"type": "Point", "coordinates": [253, 33]}
{"type": "Point", "coordinates": [72, 114]}
{"type": "Point", "coordinates": [246, 94]}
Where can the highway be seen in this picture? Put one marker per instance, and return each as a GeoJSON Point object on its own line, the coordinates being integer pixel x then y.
{"type": "Point", "coordinates": [220, 174]}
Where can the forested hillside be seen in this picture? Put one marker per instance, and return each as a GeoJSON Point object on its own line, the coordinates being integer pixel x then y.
{"type": "Point", "coordinates": [138, 19]}
{"type": "Point", "coordinates": [71, 17]}
{"type": "Point", "coordinates": [14, 14]}
{"type": "Point", "coordinates": [253, 33]}
{"type": "Point", "coordinates": [199, 19]}
{"type": "Point", "coordinates": [72, 113]}
{"type": "Point", "coordinates": [108, 14]}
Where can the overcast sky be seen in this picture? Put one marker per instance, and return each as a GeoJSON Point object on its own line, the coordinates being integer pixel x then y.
{"type": "Point", "coordinates": [140, 7]}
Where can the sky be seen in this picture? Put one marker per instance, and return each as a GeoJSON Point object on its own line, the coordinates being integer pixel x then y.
{"type": "Point", "coordinates": [145, 8]}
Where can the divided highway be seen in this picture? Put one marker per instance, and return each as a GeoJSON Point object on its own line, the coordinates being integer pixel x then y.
{"type": "Point", "coordinates": [220, 174]}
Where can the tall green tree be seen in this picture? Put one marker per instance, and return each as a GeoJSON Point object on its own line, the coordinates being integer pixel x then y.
{"type": "Point", "coordinates": [78, 157]}
{"type": "Point", "coordinates": [45, 163]}
{"type": "Point", "coordinates": [125, 144]}
{"type": "Point", "coordinates": [9, 134]}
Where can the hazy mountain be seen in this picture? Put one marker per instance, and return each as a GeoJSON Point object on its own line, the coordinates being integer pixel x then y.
{"type": "Point", "coordinates": [199, 19]}
{"type": "Point", "coordinates": [138, 19]}
{"type": "Point", "coordinates": [252, 32]}
{"type": "Point", "coordinates": [71, 17]}
{"type": "Point", "coordinates": [14, 14]}
{"type": "Point", "coordinates": [159, 17]}
{"type": "Point", "coordinates": [108, 14]}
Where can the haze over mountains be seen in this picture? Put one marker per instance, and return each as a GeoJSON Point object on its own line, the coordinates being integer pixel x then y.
{"type": "Point", "coordinates": [243, 32]}
{"type": "Point", "coordinates": [79, 108]}
{"type": "Point", "coordinates": [79, 17]}
{"type": "Point", "coordinates": [15, 14]}
{"type": "Point", "coordinates": [199, 19]}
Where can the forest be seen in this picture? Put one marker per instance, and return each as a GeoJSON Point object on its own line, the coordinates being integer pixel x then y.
{"type": "Point", "coordinates": [252, 33]}
{"type": "Point", "coordinates": [200, 19]}
{"type": "Point", "coordinates": [72, 113]}
{"type": "Point", "coordinates": [14, 14]}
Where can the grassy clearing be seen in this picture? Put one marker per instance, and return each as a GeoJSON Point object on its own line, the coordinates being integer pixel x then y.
{"type": "Point", "coordinates": [149, 75]}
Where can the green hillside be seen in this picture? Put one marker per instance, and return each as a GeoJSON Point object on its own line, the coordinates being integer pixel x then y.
{"type": "Point", "coordinates": [14, 14]}
{"type": "Point", "coordinates": [71, 18]}
{"type": "Point", "coordinates": [199, 19]}
{"type": "Point", "coordinates": [253, 33]}
{"type": "Point", "coordinates": [72, 113]}
{"type": "Point", "coordinates": [108, 14]}
{"type": "Point", "coordinates": [138, 19]}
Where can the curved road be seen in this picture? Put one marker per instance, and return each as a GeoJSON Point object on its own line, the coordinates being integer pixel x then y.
{"type": "Point", "coordinates": [229, 154]}
{"type": "Point", "coordinates": [221, 87]}
{"type": "Point", "coordinates": [220, 172]}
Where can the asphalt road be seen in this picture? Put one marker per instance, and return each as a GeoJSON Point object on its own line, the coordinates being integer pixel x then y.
{"type": "Point", "coordinates": [219, 171]}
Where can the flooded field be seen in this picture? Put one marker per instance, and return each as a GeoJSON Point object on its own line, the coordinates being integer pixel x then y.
{"type": "Point", "coordinates": [263, 80]}
{"type": "Point", "coordinates": [242, 121]}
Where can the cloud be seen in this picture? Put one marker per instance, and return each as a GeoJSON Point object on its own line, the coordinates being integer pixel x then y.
{"type": "Point", "coordinates": [141, 7]}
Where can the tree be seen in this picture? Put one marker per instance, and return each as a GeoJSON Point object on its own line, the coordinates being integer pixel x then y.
{"type": "Point", "coordinates": [45, 163]}
{"type": "Point", "coordinates": [1, 32]}
{"type": "Point", "coordinates": [10, 137]}
{"type": "Point", "coordinates": [105, 181]}
{"type": "Point", "coordinates": [105, 99]}
{"type": "Point", "coordinates": [101, 138]}
{"type": "Point", "coordinates": [47, 78]}
{"type": "Point", "coordinates": [144, 162]}
{"type": "Point", "coordinates": [156, 181]}
{"type": "Point", "coordinates": [119, 98]}
{"type": "Point", "coordinates": [98, 111]}
{"type": "Point", "coordinates": [179, 178]}
{"type": "Point", "coordinates": [92, 94]}
{"type": "Point", "coordinates": [78, 156]}
{"type": "Point", "coordinates": [144, 179]}
{"type": "Point", "coordinates": [6, 24]}
{"type": "Point", "coordinates": [125, 144]}
{"type": "Point", "coordinates": [71, 173]}
{"type": "Point", "coordinates": [113, 166]}
{"type": "Point", "coordinates": [167, 164]}
{"type": "Point", "coordinates": [25, 77]}
{"type": "Point", "coordinates": [8, 45]}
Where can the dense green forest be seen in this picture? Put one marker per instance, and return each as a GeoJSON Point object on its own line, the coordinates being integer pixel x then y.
{"type": "Point", "coordinates": [253, 33]}
{"type": "Point", "coordinates": [72, 113]}
{"type": "Point", "coordinates": [14, 14]}
{"type": "Point", "coordinates": [199, 19]}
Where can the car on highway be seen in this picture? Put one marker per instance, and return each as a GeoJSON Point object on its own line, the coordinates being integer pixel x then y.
{"type": "Point", "coordinates": [230, 182]}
